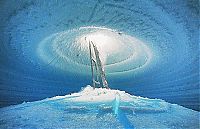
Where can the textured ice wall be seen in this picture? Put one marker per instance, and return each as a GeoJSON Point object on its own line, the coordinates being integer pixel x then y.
{"type": "Point", "coordinates": [168, 28]}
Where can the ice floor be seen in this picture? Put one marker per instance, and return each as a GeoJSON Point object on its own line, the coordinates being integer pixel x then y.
{"type": "Point", "coordinates": [98, 108]}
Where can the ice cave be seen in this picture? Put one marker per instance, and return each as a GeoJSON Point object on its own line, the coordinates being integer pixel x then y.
{"type": "Point", "coordinates": [99, 64]}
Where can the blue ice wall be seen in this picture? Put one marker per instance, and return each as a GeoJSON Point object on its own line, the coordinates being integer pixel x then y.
{"type": "Point", "coordinates": [169, 28]}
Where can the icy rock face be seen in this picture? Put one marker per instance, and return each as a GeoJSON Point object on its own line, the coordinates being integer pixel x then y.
{"type": "Point", "coordinates": [98, 108]}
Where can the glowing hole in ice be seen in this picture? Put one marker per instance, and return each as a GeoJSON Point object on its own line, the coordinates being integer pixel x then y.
{"type": "Point", "coordinates": [107, 42]}
{"type": "Point", "coordinates": [119, 52]}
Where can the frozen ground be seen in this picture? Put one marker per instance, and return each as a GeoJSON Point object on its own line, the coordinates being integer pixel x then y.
{"type": "Point", "coordinates": [98, 108]}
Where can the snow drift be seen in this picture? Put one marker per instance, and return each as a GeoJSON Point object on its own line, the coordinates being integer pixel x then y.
{"type": "Point", "coordinates": [98, 108]}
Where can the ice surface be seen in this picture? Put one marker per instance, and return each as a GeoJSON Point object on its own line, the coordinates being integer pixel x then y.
{"type": "Point", "coordinates": [98, 108]}
{"type": "Point", "coordinates": [169, 28]}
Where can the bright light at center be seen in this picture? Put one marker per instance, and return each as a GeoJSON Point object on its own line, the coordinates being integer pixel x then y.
{"type": "Point", "coordinates": [119, 52]}
{"type": "Point", "coordinates": [107, 42]}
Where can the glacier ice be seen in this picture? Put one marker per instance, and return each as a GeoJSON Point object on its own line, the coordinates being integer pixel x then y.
{"type": "Point", "coordinates": [98, 108]}
{"type": "Point", "coordinates": [31, 68]}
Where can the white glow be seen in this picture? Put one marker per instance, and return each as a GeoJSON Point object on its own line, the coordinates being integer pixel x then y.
{"type": "Point", "coordinates": [107, 42]}
{"type": "Point", "coordinates": [119, 52]}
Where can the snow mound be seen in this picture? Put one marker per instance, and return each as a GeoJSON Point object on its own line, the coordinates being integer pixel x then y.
{"type": "Point", "coordinates": [98, 108]}
{"type": "Point", "coordinates": [90, 94]}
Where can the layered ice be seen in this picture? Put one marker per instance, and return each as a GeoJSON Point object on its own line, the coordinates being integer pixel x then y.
{"type": "Point", "coordinates": [119, 52]}
{"type": "Point", "coordinates": [41, 54]}
{"type": "Point", "coordinates": [98, 108]}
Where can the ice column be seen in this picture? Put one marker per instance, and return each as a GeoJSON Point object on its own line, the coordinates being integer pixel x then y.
{"type": "Point", "coordinates": [116, 103]}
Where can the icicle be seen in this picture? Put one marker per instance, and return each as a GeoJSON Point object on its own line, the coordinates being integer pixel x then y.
{"type": "Point", "coordinates": [116, 103]}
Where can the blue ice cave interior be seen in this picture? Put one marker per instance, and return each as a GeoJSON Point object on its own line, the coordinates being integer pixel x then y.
{"type": "Point", "coordinates": [150, 48]}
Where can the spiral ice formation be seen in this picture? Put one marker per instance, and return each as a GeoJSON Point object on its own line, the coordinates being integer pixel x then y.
{"type": "Point", "coordinates": [119, 52]}
{"type": "Point", "coordinates": [149, 48]}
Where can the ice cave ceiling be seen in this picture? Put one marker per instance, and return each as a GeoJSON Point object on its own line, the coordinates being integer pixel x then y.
{"type": "Point", "coordinates": [149, 48]}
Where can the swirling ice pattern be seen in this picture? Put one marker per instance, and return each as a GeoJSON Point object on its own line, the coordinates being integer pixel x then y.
{"type": "Point", "coordinates": [118, 52]}
{"type": "Point", "coordinates": [156, 54]}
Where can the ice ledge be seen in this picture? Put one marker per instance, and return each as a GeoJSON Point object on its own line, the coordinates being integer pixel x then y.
{"type": "Point", "coordinates": [102, 95]}
{"type": "Point", "coordinates": [89, 94]}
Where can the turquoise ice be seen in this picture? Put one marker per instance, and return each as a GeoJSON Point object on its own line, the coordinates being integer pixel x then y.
{"type": "Point", "coordinates": [98, 108]}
